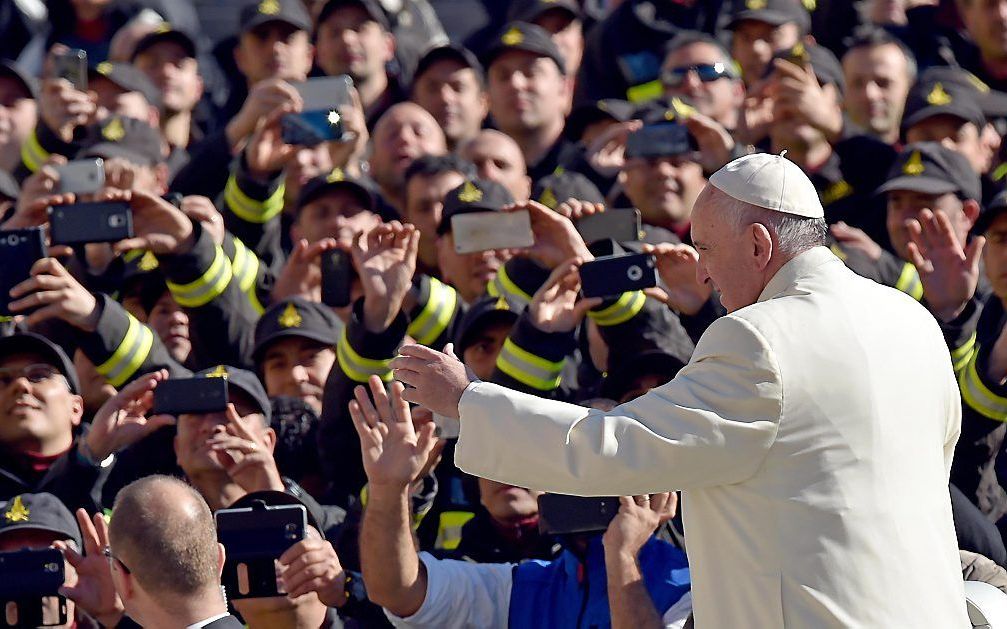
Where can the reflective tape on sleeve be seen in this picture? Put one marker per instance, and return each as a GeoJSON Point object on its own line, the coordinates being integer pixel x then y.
{"type": "Point", "coordinates": [358, 368]}
{"type": "Point", "coordinates": [208, 286]}
{"type": "Point", "coordinates": [960, 357]}
{"type": "Point", "coordinates": [436, 314]}
{"type": "Point", "coordinates": [249, 209]}
{"type": "Point", "coordinates": [132, 351]}
{"type": "Point", "coordinates": [625, 308]}
{"type": "Point", "coordinates": [449, 529]}
{"type": "Point", "coordinates": [32, 153]}
{"type": "Point", "coordinates": [978, 396]}
{"type": "Point", "coordinates": [909, 282]}
{"type": "Point", "coordinates": [503, 285]}
{"type": "Point", "coordinates": [528, 368]}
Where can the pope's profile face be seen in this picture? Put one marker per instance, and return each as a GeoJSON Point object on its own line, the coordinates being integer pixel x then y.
{"type": "Point", "coordinates": [726, 255]}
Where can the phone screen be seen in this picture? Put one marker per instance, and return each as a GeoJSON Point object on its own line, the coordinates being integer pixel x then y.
{"type": "Point", "coordinates": [482, 231]}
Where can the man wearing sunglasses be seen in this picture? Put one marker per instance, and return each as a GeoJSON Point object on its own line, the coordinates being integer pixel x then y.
{"type": "Point", "coordinates": [40, 409]}
{"type": "Point", "coordinates": [699, 68]}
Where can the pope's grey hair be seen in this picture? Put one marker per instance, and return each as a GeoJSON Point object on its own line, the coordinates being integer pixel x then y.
{"type": "Point", "coordinates": [793, 234]}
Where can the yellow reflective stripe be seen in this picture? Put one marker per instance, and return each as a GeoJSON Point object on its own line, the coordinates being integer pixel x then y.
{"type": "Point", "coordinates": [503, 285]}
{"type": "Point", "coordinates": [978, 396]}
{"type": "Point", "coordinates": [436, 314]}
{"type": "Point", "coordinates": [909, 282]}
{"type": "Point", "coordinates": [245, 265]}
{"type": "Point", "coordinates": [358, 368]}
{"type": "Point", "coordinates": [645, 91]}
{"type": "Point", "coordinates": [449, 529]}
{"type": "Point", "coordinates": [528, 368]}
{"type": "Point", "coordinates": [627, 307]}
{"type": "Point", "coordinates": [32, 153]}
{"type": "Point", "coordinates": [208, 286]}
{"type": "Point", "coordinates": [838, 252]}
{"type": "Point", "coordinates": [249, 209]}
{"type": "Point", "coordinates": [133, 350]}
{"type": "Point", "coordinates": [961, 356]}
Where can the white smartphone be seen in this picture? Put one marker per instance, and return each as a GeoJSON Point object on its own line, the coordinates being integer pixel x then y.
{"type": "Point", "coordinates": [81, 176]}
{"type": "Point", "coordinates": [482, 231]}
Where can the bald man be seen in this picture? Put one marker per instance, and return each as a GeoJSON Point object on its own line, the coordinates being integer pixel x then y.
{"type": "Point", "coordinates": [166, 561]}
{"type": "Point", "coordinates": [406, 131]}
{"type": "Point", "coordinates": [498, 158]}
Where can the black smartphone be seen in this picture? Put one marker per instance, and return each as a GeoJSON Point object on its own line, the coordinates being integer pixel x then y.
{"type": "Point", "coordinates": [337, 278]}
{"type": "Point", "coordinates": [29, 588]}
{"type": "Point", "coordinates": [254, 538]}
{"type": "Point", "coordinates": [613, 275]}
{"type": "Point", "coordinates": [621, 225]}
{"type": "Point", "coordinates": [81, 176]}
{"type": "Point", "coordinates": [179, 396]}
{"type": "Point", "coordinates": [19, 250]}
{"type": "Point", "coordinates": [81, 223]}
{"type": "Point", "coordinates": [320, 119]}
{"type": "Point", "coordinates": [559, 513]}
{"type": "Point", "coordinates": [72, 66]}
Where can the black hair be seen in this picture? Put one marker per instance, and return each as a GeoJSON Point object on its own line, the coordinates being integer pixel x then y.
{"type": "Point", "coordinates": [687, 38]}
{"type": "Point", "coordinates": [869, 36]}
{"type": "Point", "coordinates": [430, 165]}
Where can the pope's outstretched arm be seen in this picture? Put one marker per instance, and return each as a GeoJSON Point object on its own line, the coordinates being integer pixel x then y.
{"type": "Point", "coordinates": [712, 425]}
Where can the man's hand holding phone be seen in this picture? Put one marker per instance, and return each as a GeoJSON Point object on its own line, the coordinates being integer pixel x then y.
{"type": "Point", "coordinates": [555, 237]}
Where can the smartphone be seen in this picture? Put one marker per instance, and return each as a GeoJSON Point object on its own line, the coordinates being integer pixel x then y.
{"type": "Point", "coordinates": [179, 396]}
{"type": "Point", "coordinates": [29, 588]}
{"type": "Point", "coordinates": [559, 513]}
{"type": "Point", "coordinates": [72, 66]}
{"type": "Point", "coordinates": [613, 275]}
{"type": "Point", "coordinates": [81, 223]}
{"type": "Point", "coordinates": [482, 231]}
{"type": "Point", "coordinates": [337, 278]}
{"type": "Point", "coordinates": [19, 250]}
{"type": "Point", "coordinates": [319, 119]}
{"type": "Point", "coordinates": [621, 225]}
{"type": "Point", "coordinates": [81, 176]}
{"type": "Point", "coordinates": [254, 538]}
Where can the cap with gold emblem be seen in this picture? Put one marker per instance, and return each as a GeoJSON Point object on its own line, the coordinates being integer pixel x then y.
{"type": "Point", "coordinates": [993, 103]}
{"type": "Point", "coordinates": [244, 382]}
{"type": "Point", "coordinates": [823, 63]}
{"type": "Point", "coordinates": [118, 136]}
{"type": "Point", "coordinates": [475, 195]}
{"type": "Point", "coordinates": [937, 98]}
{"type": "Point", "coordinates": [164, 32]}
{"type": "Point", "coordinates": [527, 37]}
{"type": "Point", "coordinates": [932, 168]}
{"type": "Point", "coordinates": [587, 112]}
{"type": "Point", "coordinates": [295, 317]}
{"type": "Point", "coordinates": [287, 11]}
{"type": "Point", "coordinates": [372, 7]}
{"type": "Point", "coordinates": [532, 10]}
{"type": "Point", "coordinates": [330, 182]}
{"type": "Point", "coordinates": [774, 12]}
{"type": "Point", "coordinates": [557, 188]}
{"type": "Point", "coordinates": [127, 78]}
{"type": "Point", "coordinates": [486, 311]}
{"type": "Point", "coordinates": [39, 512]}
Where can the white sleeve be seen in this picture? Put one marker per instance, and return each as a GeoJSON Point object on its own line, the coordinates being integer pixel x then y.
{"type": "Point", "coordinates": [712, 425]}
{"type": "Point", "coordinates": [462, 595]}
{"type": "Point", "coordinates": [678, 613]}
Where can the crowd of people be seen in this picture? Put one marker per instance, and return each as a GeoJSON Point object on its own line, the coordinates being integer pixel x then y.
{"type": "Point", "coordinates": [559, 110]}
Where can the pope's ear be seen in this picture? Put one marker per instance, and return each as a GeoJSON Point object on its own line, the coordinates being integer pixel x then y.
{"type": "Point", "coordinates": [761, 243]}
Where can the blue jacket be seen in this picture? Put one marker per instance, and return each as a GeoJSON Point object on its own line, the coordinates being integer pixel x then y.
{"type": "Point", "coordinates": [567, 593]}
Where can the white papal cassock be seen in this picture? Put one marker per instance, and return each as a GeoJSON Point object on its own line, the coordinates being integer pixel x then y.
{"type": "Point", "coordinates": [811, 433]}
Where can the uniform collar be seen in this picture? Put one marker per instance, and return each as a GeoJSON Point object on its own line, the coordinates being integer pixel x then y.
{"type": "Point", "coordinates": [802, 265]}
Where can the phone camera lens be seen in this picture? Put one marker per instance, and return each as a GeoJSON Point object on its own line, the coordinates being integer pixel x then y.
{"type": "Point", "coordinates": [51, 567]}
{"type": "Point", "coordinates": [12, 240]}
{"type": "Point", "coordinates": [634, 273]}
{"type": "Point", "coordinates": [291, 531]}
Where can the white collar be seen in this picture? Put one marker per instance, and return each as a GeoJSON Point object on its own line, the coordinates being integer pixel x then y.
{"type": "Point", "coordinates": [203, 623]}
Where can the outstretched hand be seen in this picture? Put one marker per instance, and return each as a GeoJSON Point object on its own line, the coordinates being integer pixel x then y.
{"type": "Point", "coordinates": [122, 420]}
{"type": "Point", "coordinates": [95, 591]}
{"type": "Point", "coordinates": [436, 380]}
{"type": "Point", "coordinates": [948, 270]}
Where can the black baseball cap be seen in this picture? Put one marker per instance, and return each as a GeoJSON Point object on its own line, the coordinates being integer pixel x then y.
{"type": "Point", "coordinates": [996, 207]}
{"type": "Point", "coordinates": [992, 102]}
{"type": "Point", "coordinates": [619, 380]}
{"type": "Point", "coordinates": [273, 498]}
{"type": "Point", "coordinates": [557, 188]}
{"type": "Point", "coordinates": [27, 81]}
{"type": "Point", "coordinates": [373, 9]}
{"type": "Point", "coordinates": [39, 512]}
{"type": "Point", "coordinates": [530, 10]}
{"type": "Point", "coordinates": [666, 139]}
{"type": "Point", "coordinates": [244, 381]}
{"type": "Point", "coordinates": [932, 168]}
{"type": "Point", "coordinates": [127, 77]}
{"type": "Point", "coordinates": [287, 11]}
{"type": "Point", "coordinates": [528, 37]}
{"type": "Point", "coordinates": [31, 343]}
{"type": "Point", "coordinates": [931, 98]}
{"type": "Point", "coordinates": [824, 64]}
{"type": "Point", "coordinates": [587, 112]}
{"type": "Point", "coordinates": [475, 195]}
{"type": "Point", "coordinates": [298, 317]}
{"type": "Point", "coordinates": [119, 136]}
{"type": "Point", "coordinates": [774, 12]}
{"type": "Point", "coordinates": [456, 52]}
{"type": "Point", "coordinates": [335, 180]}
{"type": "Point", "coordinates": [165, 33]}
{"type": "Point", "coordinates": [484, 312]}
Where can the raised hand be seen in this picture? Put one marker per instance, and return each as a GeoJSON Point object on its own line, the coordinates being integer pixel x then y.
{"type": "Point", "coordinates": [638, 518]}
{"type": "Point", "coordinates": [436, 380]}
{"type": "Point", "coordinates": [122, 420]}
{"type": "Point", "coordinates": [200, 209]}
{"type": "Point", "coordinates": [556, 238]}
{"type": "Point", "coordinates": [385, 258]}
{"type": "Point", "coordinates": [575, 209]}
{"type": "Point", "coordinates": [263, 99]}
{"type": "Point", "coordinates": [799, 95]}
{"type": "Point", "coordinates": [607, 152]}
{"type": "Point", "coordinates": [857, 239]}
{"type": "Point", "coordinates": [55, 294]}
{"type": "Point", "coordinates": [158, 226]}
{"type": "Point", "coordinates": [63, 108]}
{"type": "Point", "coordinates": [38, 191]}
{"type": "Point", "coordinates": [302, 273]}
{"type": "Point", "coordinates": [266, 152]}
{"type": "Point", "coordinates": [716, 144]}
{"type": "Point", "coordinates": [95, 591]}
{"type": "Point", "coordinates": [246, 458]}
{"type": "Point", "coordinates": [312, 565]}
{"type": "Point", "coordinates": [677, 265]}
{"type": "Point", "coordinates": [394, 452]}
{"type": "Point", "coordinates": [347, 155]}
{"type": "Point", "coordinates": [557, 306]}
{"type": "Point", "coordinates": [949, 272]}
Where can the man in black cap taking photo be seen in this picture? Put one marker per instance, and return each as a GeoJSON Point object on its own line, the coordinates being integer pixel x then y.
{"type": "Point", "coordinates": [762, 27]}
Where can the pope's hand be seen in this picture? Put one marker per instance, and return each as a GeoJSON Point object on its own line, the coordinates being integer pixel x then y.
{"type": "Point", "coordinates": [436, 380]}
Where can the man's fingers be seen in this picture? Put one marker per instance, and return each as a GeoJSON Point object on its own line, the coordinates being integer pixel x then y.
{"type": "Point", "coordinates": [399, 407]}
{"type": "Point", "coordinates": [101, 528]}
{"type": "Point", "coordinates": [72, 557]}
{"type": "Point", "coordinates": [367, 410]}
{"type": "Point", "coordinates": [917, 259]}
{"type": "Point", "coordinates": [380, 396]}
{"type": "Point", "coordinates": [974, 252]}
{"type": "Point", "coordinates": [409, 364]}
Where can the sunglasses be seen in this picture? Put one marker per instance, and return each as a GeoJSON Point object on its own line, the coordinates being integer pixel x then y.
{"type": "Point", "coordinates": [107, 551]}
{"type": "Point", "coordinates": [705, 72]}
